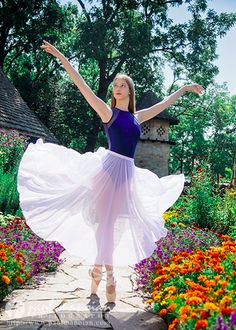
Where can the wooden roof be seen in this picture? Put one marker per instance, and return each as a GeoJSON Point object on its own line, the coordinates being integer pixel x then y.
{"type": "Point", "coordinates": [15, 113]}
{"type": "Point", "coordinates": [148, 99]}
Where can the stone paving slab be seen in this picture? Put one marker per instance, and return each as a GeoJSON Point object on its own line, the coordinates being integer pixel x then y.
{"type": "Point", "coordinates": [62, 300]}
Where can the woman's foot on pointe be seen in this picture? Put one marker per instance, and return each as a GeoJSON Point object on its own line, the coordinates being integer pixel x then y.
{"type": "Point", "coordinates": [111, 289]}
{"type": "Point", "coordinates": [96, 276]}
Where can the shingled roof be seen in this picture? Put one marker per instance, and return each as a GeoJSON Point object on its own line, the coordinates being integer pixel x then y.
{"type": "Point", "coordinates": [148, 99]}
{"type": "Point", "coordinates": [15, 113]}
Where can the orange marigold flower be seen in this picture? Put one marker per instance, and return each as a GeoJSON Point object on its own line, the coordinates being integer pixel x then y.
{"type": "Point", "coordinates": [183, 317]}
{"type": "Point", "coordinates": [202, 278]}
{"type": "Point", "coordinates": [173, 324]}
{"type": "Point", "coordinates": [6, 279]}
{"type": "Point", "coordinates": [201, 324]}
{"type": "Point", "coordinates": [225, 236]}
{"type": "Point", "coordinates": [185, 310]}
{"type": "Point", "coordinates": [20, 279]}
{"type": "Point", "coordinates": [210, 283]}
{"type": "Point", "coordinates": [194, 300]}
{"type": "Point", "coordinates": [3, 253]}
{"type": "Point", "coordinates": [193, 316]}
{"type": "Point", "coordinates": [163, 312]}
{"type": "Point", "coordinates": [219, 292]}
{"type": "Point", "coordinates": [171, 307]}
{"type": "Point", "coordinates": [223, 283]}
{"type": "Point", "coordinates": [5, 258]}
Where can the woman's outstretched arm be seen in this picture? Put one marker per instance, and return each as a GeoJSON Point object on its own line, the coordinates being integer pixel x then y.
{"type": "Point", "coordinates": [148, 113]}
{"type": "Point", "coordinates": [102, 109]}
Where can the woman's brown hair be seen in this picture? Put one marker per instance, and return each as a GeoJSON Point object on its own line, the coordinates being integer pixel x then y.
{"type": "Point", "coordinates": [129, 80]}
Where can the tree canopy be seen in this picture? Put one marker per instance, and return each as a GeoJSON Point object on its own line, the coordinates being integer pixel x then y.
{"type": "Point", "coordinates": [102, 39]}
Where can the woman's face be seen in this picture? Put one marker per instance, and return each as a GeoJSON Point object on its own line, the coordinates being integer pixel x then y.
{"type": "Point", "coordinates": [120, 89]}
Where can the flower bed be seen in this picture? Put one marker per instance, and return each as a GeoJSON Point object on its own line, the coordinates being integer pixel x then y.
{"type": "Point", "coordinates": [23, 254]}
{"type": "Point", "coordinates": [178, 240]}
{"type": "Point", "coordinates": [196, 290]}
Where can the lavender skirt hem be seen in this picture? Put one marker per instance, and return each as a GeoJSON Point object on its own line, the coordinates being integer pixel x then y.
{"type": "Point", "coordinates": [99, 205]}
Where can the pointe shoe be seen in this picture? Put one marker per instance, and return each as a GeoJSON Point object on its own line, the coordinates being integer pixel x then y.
{"type": "Point", "coordinates": [96, 277]}
{"type": "Point", "coordinates": [111, 289]}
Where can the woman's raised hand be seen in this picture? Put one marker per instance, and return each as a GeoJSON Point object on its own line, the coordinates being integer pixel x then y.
{"type": "Point", "coordinates": [47, 47]}
{"type": "Point", "coordinates": [196, 88]}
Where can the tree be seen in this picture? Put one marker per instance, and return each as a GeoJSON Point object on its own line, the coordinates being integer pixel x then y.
{"type": "Point", "coordinates": [131, 36]}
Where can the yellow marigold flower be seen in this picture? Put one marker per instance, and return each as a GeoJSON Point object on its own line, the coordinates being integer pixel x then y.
{"type": "Point", "coordinates": [217, 277]}
{"type": "Point", "coordinates": [225, 300]}
{"type": "Point", "coordinates": [157, 297]}
{"type": "Point", "coordinates": [164, 302]}
{"type": "Point", "coordinates": [149, 301]}
{"type": "Point", "coordinates": [211, 306]}
{"type": "Point", "coordinates": [6, 279]}
{"type": "Point", "coordinates": [154, 293]}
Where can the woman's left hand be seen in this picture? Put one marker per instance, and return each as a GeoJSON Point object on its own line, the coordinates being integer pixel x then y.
{"type": "Point", "coordinates": [196, 88]}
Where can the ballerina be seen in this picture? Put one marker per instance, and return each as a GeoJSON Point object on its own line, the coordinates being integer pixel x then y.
{"type": "Point", "coordinates": [99, 205]}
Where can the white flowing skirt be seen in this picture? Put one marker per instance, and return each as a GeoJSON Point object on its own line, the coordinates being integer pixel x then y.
{"type": "Point", "coordinates": [98, 205]}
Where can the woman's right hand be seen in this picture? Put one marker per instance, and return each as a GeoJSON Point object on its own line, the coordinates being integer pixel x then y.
{"type": "Point", "coordinates": [47, 47]}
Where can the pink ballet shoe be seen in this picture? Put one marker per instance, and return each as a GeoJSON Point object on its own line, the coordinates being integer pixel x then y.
{"type": "Point", "coordinates": [96, 277]}
{"type": "Point", "coordinates": [111, 289]}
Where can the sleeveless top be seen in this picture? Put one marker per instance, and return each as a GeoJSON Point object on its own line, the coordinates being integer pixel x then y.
{"type": "Point", "coordinates": [123, 132]}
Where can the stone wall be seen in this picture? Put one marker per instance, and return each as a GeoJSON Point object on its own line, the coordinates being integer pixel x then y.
{"type": "Point", "coordinates": [150, 153]}
{"type": "Point", "coordinates": [153, 155]}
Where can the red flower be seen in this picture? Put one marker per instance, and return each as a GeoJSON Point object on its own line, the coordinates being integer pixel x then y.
{"type": "Point", "coordinates": [201, 324]}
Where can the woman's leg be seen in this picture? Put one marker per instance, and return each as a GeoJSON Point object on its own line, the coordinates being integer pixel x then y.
{"type": "Point", "coordinates": [96, 275]}
{"type": "Point", "coordinates": [111, 284]}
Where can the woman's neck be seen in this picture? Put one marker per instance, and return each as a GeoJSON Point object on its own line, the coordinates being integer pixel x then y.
{"type": "Point", "coordinates": [122, 105]}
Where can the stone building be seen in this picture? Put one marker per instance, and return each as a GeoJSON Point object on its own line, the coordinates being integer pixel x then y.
{"type": "Point", "coordinates": [15, 114]}
{"type": "Point", "coordinates": [153, 148]}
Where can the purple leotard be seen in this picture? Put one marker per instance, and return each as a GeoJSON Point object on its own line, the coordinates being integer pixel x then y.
{"type": "Point", "coordinates": [123, 132]}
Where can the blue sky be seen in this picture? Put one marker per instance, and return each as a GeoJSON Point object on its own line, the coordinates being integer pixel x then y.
{"type": "Point", "coordinates": [226, 48]}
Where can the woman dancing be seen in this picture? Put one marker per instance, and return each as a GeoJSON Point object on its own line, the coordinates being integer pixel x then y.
{"type": "Point", "coordinates": [99, 205]}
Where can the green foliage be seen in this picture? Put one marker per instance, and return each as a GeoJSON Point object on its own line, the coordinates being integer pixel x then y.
{"type": "Point", "coordinates": [206, 129]}
{"type": "Point", "coordinates": [107, 37]}
{"type": "Point", "coordinates": [203, 204]}
{"type": "Point", "coordinates": [12, 146]}
{"type": "Point", "coordinates": [226, 214]}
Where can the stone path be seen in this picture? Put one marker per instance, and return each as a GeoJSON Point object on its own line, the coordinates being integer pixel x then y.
{"type": "Point", "coordinates": [62, 301]}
